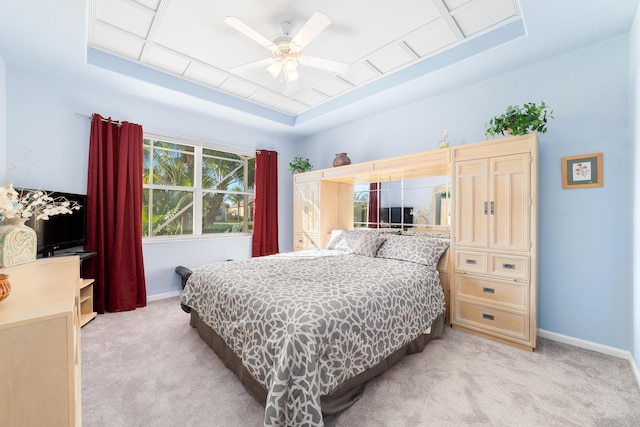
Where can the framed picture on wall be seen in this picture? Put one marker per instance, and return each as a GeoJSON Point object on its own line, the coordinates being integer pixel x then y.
{"type": "Point", "coordinates": [582, 171]}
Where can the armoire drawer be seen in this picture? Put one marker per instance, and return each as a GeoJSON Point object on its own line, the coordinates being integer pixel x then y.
{"type": "Point", "coordinates": [508, 294]}
{"type": "Point", "coordinates": [510, 266]}
{"type": "Point", "coordinates": [303, 241]}
{"type": "Point", "coordinates": [491, 319]}
{"type": "Point", "coordinates": [471, 262]}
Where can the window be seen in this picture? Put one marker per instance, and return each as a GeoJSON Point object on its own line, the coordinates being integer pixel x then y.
{"type": "Point", "coordinates": [360, 205]}
{"type": "Point", "coordinates": [190, 190]}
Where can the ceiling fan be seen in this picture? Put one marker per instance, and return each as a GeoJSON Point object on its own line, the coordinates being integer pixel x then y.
{"type": "Point", "coordinates": [285, 50]}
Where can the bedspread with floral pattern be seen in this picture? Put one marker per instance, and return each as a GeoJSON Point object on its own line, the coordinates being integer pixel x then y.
{"type": "Point", "coordinates": [306, 322]}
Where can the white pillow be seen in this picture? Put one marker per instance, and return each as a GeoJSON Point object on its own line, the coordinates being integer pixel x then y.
{"type": "Point", "coordinates": [356, 242]}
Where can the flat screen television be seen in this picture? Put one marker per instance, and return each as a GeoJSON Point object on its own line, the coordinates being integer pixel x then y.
{"type": "Point", "coordinates": [396, 216]}
{"type": "Point", "coordinates": [61, 231]}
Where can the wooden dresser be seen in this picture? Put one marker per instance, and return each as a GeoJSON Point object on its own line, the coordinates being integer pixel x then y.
{"type": "Point", "coordinates": [494, 286]}
{"type": "Point", "coordinates": [40, 344]}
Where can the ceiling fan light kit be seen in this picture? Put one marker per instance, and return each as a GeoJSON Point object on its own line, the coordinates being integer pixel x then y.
{"type": "Point", "coordinates": [286, 56]}
{"type": "Point", "coordinates": [286, 50]}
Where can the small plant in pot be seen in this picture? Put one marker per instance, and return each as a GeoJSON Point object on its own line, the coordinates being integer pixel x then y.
{"type": "Point", "coordinates": [300, 164]}
{"type": "Point", "coordinates": [520, 120]}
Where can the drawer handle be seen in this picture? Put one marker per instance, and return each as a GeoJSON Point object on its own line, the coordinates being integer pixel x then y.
{"type": "Point", "coordinates": [489, 290]}
{"type": "Point", "coordinates": [509, 266]}
{"type": "Point", "coordinates": [470, 261]}
{"type": "Point", "coordinates": [487, 316]}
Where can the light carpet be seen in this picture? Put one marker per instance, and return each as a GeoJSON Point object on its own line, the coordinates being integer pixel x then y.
{"type": "Point", "coordinates": [148, 367]}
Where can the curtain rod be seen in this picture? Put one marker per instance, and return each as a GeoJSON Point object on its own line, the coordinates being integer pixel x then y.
{"type": "Point", "coordinates": [191, 141]}
{"type": "Point", "coordinates": [115, 122]}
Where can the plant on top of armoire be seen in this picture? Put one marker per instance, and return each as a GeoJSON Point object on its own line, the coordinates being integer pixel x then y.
{"type": "Point", "coordinates": [300, 164]}
{"type": "Point", "coordinates": [520, 120]}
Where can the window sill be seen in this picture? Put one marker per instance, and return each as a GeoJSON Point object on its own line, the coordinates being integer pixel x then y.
{"type": "Point", "coordinates": [176, 239]}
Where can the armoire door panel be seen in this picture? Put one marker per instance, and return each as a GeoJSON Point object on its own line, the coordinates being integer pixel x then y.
{"type": "Point", "coordinates": [472, 226]}
{"type": "Point", "coordinates": [311, 218]}
{"type": "Point", "coordinates": [300, 195]}
{"type": "Point", "coordinates": [511, 194]}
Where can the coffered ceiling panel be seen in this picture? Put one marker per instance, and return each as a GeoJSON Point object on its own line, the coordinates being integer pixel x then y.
{"type": "Point", "coordinates": [430, 38]}
{"type": "Point", "coordinates": [371, 40]}
{"type": "Point", "coordinates": [477, 16]}
{"type": "Point", "coordinates": [360, 73]}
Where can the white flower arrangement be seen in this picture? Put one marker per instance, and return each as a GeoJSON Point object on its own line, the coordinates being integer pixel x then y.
{"type": "Point", "coordinates": [28, 203]}
{"type": "Point", "coordinates": [422, 213]}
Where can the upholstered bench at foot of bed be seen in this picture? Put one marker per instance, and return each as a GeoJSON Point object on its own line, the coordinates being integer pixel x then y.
{"type": "Point", "coordinates": [184, 273]}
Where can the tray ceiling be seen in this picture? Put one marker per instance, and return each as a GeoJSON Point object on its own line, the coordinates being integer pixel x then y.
{"type": "Point", "coordinates": [188, 39]}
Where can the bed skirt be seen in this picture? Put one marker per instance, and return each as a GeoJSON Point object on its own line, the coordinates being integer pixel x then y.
{"type": "Point", "coordinates": [341, 398]}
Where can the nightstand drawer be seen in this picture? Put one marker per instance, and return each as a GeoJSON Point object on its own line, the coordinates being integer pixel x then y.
{"type": "Point", "coordinates": [507, 294]}
{"type": "Point", "coordinates": [515, 325]}
{"type": "Point", "coordinates": [471, 262]}
{"type": "Point", "coordinates": [510, 266]}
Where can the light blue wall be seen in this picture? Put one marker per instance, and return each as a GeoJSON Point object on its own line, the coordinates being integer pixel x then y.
{"type": "Point", "coordinates": [634, 56]}
{"type": "Point", "coordinates": [3, 115]}
{"type": "Point", "coordinates": [45, 119]}
{"type": "Point", "coordinates": [585, 241]}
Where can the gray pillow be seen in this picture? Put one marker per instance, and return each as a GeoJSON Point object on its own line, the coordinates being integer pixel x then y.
{"type": "Point", "coordinates": [418, 249]}
{"type": "Point", "coordinates": [368, 244]}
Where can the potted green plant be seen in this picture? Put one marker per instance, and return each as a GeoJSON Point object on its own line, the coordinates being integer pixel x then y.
{"type": "Point", "coordinates": [300, 164]}
{"type": "Point", "coordinates": [520, 120]}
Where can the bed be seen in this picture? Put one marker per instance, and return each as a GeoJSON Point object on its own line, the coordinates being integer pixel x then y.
{"type": "Point", "coordinates": [304, 331]}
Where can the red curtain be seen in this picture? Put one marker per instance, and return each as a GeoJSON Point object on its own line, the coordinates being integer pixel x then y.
{"type": "Point", "coordinates": [374, 206]}
{"type": "Point", "coordinates": [265, 217]}
{"type": "Point", "coordinates": [114, 215]}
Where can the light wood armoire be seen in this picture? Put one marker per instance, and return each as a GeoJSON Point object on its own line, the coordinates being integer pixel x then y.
{"type": "Point", "coordinates": [495, 204]}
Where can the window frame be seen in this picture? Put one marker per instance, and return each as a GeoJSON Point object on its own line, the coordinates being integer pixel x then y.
{"type": "Point", "coordinates": [197, 189]}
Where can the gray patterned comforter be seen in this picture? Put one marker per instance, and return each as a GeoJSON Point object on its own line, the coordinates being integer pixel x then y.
{"type": "Point", "coordinates": [304, 323]}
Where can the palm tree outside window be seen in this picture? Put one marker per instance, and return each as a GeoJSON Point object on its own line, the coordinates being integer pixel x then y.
{"type": "Point", "coordinates": [195, 190]}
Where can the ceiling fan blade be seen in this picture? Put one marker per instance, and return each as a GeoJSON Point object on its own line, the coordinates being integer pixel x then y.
{"type": "Point", "coordinates": [252, 65]}
{"type": "Point", "coordinates": [249, 32]}
{"type": "Point", "coordinates": [325, 64]}
{"type": "Point", "coordinates": [314, 26]}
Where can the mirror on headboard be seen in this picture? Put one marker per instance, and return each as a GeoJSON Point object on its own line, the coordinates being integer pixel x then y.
{"type": "Point", "coordinates": [415, 204]}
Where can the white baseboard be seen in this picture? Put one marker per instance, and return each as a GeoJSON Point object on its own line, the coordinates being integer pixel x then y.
{"type": "Point", "coordinates": [166, 295]}
{"type": "Point", "coordinates": [611, 351]}
{"type": "Point", "coordinates": [634, 367]}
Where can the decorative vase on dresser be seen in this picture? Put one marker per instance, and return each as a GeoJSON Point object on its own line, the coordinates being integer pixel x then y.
{"type": "Point", "coordinates": [495, 203]}
{"type": "Point", "coordinates": [18, 242]}
{"type": "Point", "coordinates": [5, 286]}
